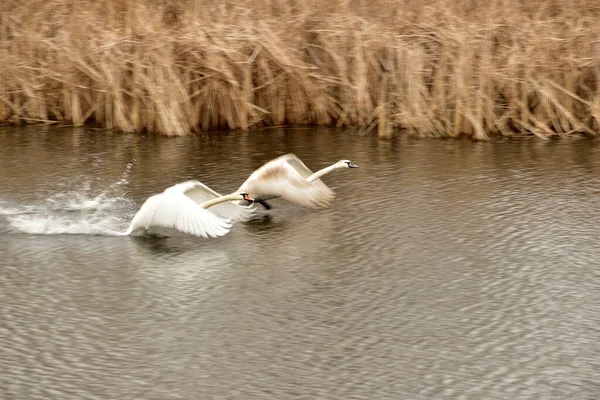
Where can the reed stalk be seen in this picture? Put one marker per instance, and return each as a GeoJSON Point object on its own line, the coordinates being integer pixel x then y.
{"type": "Point", "coordinates": [442, 68]}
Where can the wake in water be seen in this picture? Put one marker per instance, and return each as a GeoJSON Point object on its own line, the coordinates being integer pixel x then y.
{"type": "Point", "coordinates": [81, 211]}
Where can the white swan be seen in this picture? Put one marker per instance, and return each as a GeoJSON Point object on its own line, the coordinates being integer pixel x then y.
{"type": "Point", "coordinates": [201, 193]}
{"type": "Point", "coordinates": [178, 208]}
{"type": "Point", "coordinates": [287, 177]}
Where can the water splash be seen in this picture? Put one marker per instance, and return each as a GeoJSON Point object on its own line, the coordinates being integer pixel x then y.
{"type": "Point", "coordinates": [7, 210]}
{"type": "Point", "coordinates": [85, 210]}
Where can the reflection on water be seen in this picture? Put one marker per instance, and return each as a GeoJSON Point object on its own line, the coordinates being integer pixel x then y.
{"type": "Point", "coordinates": [445, 269]}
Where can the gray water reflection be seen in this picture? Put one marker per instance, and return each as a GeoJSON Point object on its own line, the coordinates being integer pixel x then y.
{"type": "Point", "coordinates": [444, 270]}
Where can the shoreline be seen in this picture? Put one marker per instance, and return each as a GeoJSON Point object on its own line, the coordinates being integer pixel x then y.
{"type": "Point", "coordinates": [173, 68]}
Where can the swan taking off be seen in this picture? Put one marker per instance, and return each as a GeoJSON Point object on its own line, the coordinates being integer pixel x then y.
{"type": "Point", "coordinates": [183, 207]}
{"type": "Point", "coordinates": [287, 177]}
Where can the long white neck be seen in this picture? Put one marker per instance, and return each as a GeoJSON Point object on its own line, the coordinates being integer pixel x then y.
{"type": "Point", "coordinates": [222, 199]}
{"type": "Point", "coordinates": [319, 174]}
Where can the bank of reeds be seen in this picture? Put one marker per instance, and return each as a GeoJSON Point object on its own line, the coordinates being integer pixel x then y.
{"type": "Point", "coordinates": [440, 67]}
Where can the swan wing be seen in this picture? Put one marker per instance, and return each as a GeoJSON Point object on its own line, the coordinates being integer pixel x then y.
{"type": "Point", "coordinates": [304, 171]}
{"type": "Point", "coordinates": [278, 178]}
{"type": "Point", "coordinates": [297, 164]}
{"type": "Point", "coordinates": [200, 193]}
{"type": "Point", "coordinates": [173, 209]}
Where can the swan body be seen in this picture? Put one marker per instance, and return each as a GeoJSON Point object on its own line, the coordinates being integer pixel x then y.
{"type": "Point", "coordinates": [184, 207]}
{"type": "Point", "coordinates": [287, 177]}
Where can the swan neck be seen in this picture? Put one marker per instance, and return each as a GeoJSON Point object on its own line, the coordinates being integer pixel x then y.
{"type": "Point", "coordinates": [320, 173]}
{"type": "Point", "coordinates": [222, 199]}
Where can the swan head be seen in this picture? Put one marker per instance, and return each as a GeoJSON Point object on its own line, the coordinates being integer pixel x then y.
{"type": "Point", "coordinates": [345, 164]}
{"type": "Point", "coordinates": [245, 196]}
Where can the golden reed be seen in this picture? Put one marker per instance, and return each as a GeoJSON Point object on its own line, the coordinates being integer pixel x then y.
{"type": "Point", "coordinates": [440, 67]}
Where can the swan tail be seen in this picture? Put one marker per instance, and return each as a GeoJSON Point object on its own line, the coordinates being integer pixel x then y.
{"type": "Point", "coordinates": [128, 232]}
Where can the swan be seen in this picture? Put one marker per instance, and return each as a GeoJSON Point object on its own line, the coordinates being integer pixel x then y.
{"type": "Point", "coordinates": [177, 207]}
{"type": "Point", "coordinates": [287, 177]}
{"type": "Point", "coordinates": [201, 193]}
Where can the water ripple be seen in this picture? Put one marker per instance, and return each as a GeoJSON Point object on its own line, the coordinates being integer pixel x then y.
{"type": "Point", "coordinates": [444, 270]}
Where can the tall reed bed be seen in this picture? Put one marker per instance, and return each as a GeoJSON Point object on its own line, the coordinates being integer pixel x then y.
{"type": "Point", "coordinates": [439, 67]}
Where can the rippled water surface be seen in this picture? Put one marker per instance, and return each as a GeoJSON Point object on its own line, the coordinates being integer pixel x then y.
{"type": "Point", "coordinates": [445, 269]}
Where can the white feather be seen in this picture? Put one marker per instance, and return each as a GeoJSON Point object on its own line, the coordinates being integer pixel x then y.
{"type": "Point", "coordinates": [201, 193]}
{"type": "Point", "coordinates": [174, 209]}
{"type": "Point", "coordinates": [285, 177]}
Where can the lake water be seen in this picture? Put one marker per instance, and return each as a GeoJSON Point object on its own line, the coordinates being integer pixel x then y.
{"type": "Point", "coordinates": [445, 269]}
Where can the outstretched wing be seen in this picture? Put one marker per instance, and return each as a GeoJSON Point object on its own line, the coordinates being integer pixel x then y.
{"type": "Point", "coordinates": [297, 164]}
{"type": "Point", "coordinates": [304, 171]}
{"type": "Point", "coordinates": [278, 178]}
{"type": "Point", "coordinates": [200, 193]}
{"type": "Point", "coordinates": [173, 209]}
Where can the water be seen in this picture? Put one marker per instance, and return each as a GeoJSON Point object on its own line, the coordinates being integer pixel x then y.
{"type": "Point", "coordinates": [445, 269]}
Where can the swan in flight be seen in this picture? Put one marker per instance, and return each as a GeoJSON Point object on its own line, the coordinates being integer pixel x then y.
{"type": "Point", "coordinates": [287, 177]}
{"type": "Point", "coordinates": [184, 207]}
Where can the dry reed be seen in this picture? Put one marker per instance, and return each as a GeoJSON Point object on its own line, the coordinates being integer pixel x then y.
{"type": "Point", "coordinates": [443, 68]}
